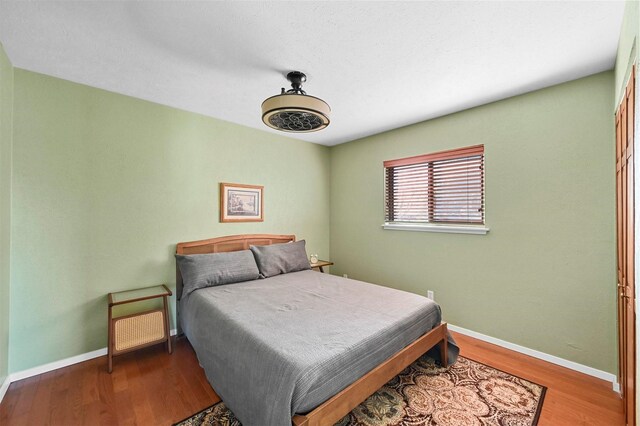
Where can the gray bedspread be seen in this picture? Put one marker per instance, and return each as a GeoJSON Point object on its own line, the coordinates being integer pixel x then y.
{"type": "Point", "coordinates": [283, 345]}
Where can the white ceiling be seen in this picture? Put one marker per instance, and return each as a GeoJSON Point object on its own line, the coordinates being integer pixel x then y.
{"type": "Point", "coordinates": [379, 65]}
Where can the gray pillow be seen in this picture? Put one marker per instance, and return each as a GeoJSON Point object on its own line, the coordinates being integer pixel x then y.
{"type": "Point", "coordinates": [208, 270]}
{"type": "Point", "coordinates": [281, 258]}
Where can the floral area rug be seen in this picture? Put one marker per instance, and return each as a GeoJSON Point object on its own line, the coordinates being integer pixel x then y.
{"type": "Point", "coordinates": [467, 393]}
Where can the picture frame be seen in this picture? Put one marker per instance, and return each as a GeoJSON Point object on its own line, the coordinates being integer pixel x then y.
{"type": "Point", "coordinates": [241, 203]}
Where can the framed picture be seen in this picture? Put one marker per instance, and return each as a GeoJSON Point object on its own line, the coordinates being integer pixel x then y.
{"type": "Point", "coordinates": [241, 203]}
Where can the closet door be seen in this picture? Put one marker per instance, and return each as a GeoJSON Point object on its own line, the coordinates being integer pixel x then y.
{"type": "Point", "coordinates": [625, 248]}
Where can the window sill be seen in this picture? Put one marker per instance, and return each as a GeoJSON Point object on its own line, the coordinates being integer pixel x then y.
{"type": "Point", "coordinates": [428, 227]}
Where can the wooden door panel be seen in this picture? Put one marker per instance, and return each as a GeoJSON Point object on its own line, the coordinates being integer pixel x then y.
{"type": "Point", "coordinates": [619, 250]}
{"type": "Point", "coordinates": [629, 293]}
{"type": "Point", "coordinates": [625, 280]}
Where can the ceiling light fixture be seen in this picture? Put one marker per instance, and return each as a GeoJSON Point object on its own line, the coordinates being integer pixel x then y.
{"type": "Point", "coordinates": [294, 110]}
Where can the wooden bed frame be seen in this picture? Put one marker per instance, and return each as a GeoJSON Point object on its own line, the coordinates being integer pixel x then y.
{"type": "Point", "coordinates": [349, 398]}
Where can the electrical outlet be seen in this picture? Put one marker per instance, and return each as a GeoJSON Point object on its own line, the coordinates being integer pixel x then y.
{"type": "Point", "coordinates": [430, 295]}
{"type": "Point", "coordinates": [345, 275]}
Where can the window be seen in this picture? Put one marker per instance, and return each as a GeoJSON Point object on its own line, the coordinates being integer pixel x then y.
{"type": "Point", "coordinates": [444, 188]}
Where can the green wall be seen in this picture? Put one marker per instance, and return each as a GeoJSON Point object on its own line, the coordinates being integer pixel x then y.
{"type": "Point", "coordinates": [6, 123]}
{"type": "Point", "coordinates": [105, 185]}
{"type": "Point", "coordinates": [544, 276]}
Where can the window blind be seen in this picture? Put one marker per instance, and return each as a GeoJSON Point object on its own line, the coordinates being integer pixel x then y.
{"type": "Point", "coordinates": [443, 187]}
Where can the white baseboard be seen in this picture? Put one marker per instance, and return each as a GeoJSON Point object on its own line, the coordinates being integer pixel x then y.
{"type": "Point", "coordinates": [508, 345]}
{"type": "Point", "coordinates": [4, 387]}
{"type": "Point", "coordinates": [541, 355]}
{"type": "Point", "coordinates": [24, 374]}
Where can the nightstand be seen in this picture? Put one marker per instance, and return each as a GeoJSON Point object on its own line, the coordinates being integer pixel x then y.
{"type": "Point", "coordinates": [130, 332]}
{"type": "Point", "coordinates": [320, 264]}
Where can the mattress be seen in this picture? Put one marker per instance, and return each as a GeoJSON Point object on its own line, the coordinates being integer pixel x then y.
{"type": "Point", "coordinates": [283, 345]}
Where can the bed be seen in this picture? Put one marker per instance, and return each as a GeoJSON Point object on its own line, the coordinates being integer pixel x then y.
{"type": "Point", "coordinates": [302, 347]}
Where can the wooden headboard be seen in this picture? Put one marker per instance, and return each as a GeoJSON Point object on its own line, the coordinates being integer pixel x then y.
{"type": "Point", "coordinates": [226, 244]}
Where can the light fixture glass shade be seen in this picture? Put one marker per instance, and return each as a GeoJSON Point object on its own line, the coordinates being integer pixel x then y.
{"type": "Point", "coordinates": [295, 113]}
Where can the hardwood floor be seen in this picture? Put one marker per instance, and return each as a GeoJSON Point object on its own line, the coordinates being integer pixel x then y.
{"type": "Point", "coordinates": [151, 387]}
{"type": "Point", "coordinates": [572, 398]}
{"type": "Point", "coordinates": [147, 387]}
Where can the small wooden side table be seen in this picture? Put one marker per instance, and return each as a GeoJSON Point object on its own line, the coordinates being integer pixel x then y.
{"type": "Point", "coordinates": [320, 264]}
{"type": "Point", "coordinates": [130, 332]}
